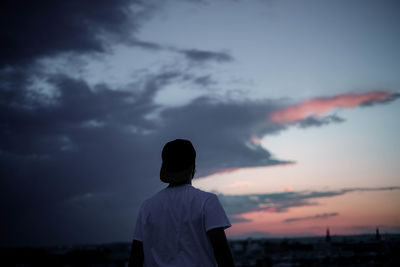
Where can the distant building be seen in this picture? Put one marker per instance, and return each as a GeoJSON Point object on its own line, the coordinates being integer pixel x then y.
{"type": "Point", "coordinates": [328, 235]}
{"type": "Point", "coordinates": [378, 235]}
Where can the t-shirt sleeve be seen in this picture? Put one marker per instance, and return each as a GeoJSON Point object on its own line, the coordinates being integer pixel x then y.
{"type": "Point", "coordinates": [214, 214]}
{"type": "Point", "coordinates": [137, 234]}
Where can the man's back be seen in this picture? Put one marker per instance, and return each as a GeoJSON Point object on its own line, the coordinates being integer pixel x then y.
{"type": "Point", "coordinates": [173, 227]}
{"type": "Point", "coordinates": [180, 225]}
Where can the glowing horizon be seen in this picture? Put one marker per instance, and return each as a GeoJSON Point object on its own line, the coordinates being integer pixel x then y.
{"type": "Point", "coordinates": [334, 213]}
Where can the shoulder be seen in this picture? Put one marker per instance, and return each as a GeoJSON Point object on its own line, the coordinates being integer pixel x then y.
{"type": "Point", "coordinates": [155, 197]}
{"type": "Point", "coordinates": [152, 199]}
{"type": "Point", "coordinates": [208, 200]}
{"type": "Point", "coordinates": [203, 194]}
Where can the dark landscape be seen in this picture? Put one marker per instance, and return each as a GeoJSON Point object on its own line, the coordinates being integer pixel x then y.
{"type": "Point", "coordinates": [357, 250]}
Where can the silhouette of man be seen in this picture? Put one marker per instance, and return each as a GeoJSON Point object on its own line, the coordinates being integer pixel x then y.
{"type": "Point", "coordinates": [180, 225]}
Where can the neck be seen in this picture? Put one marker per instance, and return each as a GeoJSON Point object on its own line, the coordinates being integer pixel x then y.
{"type": "Point", "coordinates": [180, 183]}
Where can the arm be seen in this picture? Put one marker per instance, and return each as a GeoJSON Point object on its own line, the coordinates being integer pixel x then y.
{"type": "Point", "coordinates": [137, 256]}
{"type": "Point", "coordinates": [221, 248]}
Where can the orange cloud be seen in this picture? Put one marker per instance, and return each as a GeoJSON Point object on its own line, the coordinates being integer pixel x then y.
{"type": "Point", "coordinates": [320, 106]}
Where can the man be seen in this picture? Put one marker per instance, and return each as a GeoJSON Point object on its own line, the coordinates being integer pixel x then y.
{"type": "Point", "coordinates": [181, 225]}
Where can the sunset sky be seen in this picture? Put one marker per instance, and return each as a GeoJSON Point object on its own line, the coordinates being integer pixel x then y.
{"type": "Point", "coordinates": [293, 108]}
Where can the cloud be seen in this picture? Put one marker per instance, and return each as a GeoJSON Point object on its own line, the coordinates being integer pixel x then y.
{"type": "Point", "coordinates": [205, 80]}
{"type": "Point", "coordinates": [389, 99]}
{"type": "Point", "coordinates": [83, 141]}
{"type": "Point", "coordinates": [201, 56]}
{"type": "Point", "coordinates": [320, 106]}
{"type": "Point", "coordinates": [238, 205]}
{"type": "Point", "coordinates": [105, 158]}
{"type": "Point", "coordinates": [220, 130]}
{"type": "Point", "coordinates": [317, 216]}
{"type": "Point", "coordinates": [194, 56]}
{"type": "Point", "coordinates": [237, 219]}
{"type": "Point", "coordinates": [147, 45]}
{"type": "Point", "coordinates": [32, 30]}
{"type": "Point", "coordinates": [318, 122]}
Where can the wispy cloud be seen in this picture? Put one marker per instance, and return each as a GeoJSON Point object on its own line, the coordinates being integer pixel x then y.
{"type": "Point", "coordinates": [203, 55]}
{"type": "Point", "coordinates": [236, 205]}
{"type": "Point", "coordinates": [194, 56]}
{"type": "Point", "coordinates": [318, 122]}
{"type": "Point", "coordinates": [317, 216]}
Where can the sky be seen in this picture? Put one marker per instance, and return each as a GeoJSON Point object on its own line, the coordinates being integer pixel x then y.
{"type": "Point", "coordinates": [292, 107]}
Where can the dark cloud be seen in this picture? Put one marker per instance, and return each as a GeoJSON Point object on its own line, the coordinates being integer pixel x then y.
{"type": "Point", "coordinates": [389, 99]}
{"type": "Point", "coordinates": [201, 56]}
{"type": "Point", "coordinates": [31, 29]}
{"type": "Point", "coordinates": [282, 202]}
{"type": "Point", "coordinates": [221, 130]}
{"type": "Point", "coordinates": [147, 45]}
{"type": "Point", "coordinates": [318, 122]}
{"type": "Point", "coordinates": [193, 56]}
{"type": "Point", "coordinates": [93, 144]}
{"type": "Point", "coordinates": [83, 158]}
{"type": "Point", "coordinates": [317, 216]}
{"type": "Point", "coordinates": [205, 80]}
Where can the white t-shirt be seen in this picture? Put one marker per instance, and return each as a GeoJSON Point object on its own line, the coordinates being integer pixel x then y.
{"type": "Point", "coordinates": [172, 226]}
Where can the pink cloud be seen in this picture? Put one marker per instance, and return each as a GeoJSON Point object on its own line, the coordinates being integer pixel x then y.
{"type": "Point", "coordinates": [320, 106]}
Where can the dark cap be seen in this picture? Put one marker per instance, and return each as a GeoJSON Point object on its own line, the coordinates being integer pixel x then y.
{"type": "Point", "coordinates": [178, 159]}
